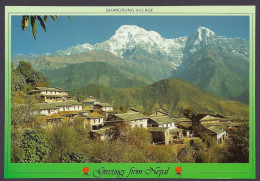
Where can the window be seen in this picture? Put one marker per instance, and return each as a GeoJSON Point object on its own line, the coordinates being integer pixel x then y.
{"type": "Point", "coordinates": [141, 125]}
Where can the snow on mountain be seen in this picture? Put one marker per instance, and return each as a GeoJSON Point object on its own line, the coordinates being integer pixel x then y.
{"type": "Point", "coordinates": [129, 37]}
{"type": "Point", "coordinates": [78, 49]}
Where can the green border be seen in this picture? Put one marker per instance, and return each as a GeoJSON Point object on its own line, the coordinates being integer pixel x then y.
{"type": "Point", "coordinates": [189, 170]}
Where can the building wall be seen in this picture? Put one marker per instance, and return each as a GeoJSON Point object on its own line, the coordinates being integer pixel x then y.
{"type": "Point", "coordinates": [54, 93]}
{"type": "Point", "coordinates": [97, 121]}
{"type": "Point", "coordinates": [139, 123]}
{"type": "Point", "coordinates": [107, 108]}
{"type": "Point", "coordinates": [167, 125]}
{"type": "Point", "coordinates": [52, 99]}
{"type": "Point", "coordinates": [46, 112]}
{"type": "Point", "coordinates": [71, 108]}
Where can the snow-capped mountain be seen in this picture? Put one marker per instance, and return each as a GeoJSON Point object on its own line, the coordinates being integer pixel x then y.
{"type": "Point", "coordinates": [219, 65]}
{"type": "Point", "coordinates": [78, 49]}
{"type": "Point", "coordinates": [131, 37]}
{"type": "Point", "coordinates": [128, 37]}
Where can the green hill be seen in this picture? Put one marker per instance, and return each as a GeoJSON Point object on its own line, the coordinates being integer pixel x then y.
{"type": "Point", "coordinates": [78, 75]}
{"type": "Point", "coordinates": [218, 73]}
{"type": "Point", "coordinates": [148, 67]}
{"type": "Point", "coordinates": [172, 94]}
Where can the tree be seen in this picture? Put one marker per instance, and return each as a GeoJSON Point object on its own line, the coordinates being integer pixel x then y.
{"type": "Point", "coordinates": [81, 134]}
{"type": "Point", "coordinates": [139, 138]}
{"type": "Point", "coordinates": [33, 19]}
{"type": "Point", "coordinates": [61, 140]}
{"type": "Point", "coordinates": [35, 147]}
{"type": "Point", "coordinates": [162, 154]}
{"type": "Point", "coordinates": [74, 157]}
{"type": "Point", "coordinates": [31, 77]}
{"type": "Point", "coordinates": [17, 80]}
{"type": "Point", "coordinates": [190, 113]}
{"type": "Point", "coordinates": [239, 143]}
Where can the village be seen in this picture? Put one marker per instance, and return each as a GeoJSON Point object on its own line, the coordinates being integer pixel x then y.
{"type": "Point", "coordinates": [57, 106]}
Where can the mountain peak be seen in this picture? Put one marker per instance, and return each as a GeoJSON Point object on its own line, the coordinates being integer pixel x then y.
{"type": "Point", "coordinates": [203, 32]}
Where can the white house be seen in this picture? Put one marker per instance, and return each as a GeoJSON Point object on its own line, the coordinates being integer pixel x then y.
{"type": "Point", "coordinates": [161, 121]}
{"type": "Point", "coordinates": [94, 120]}
{"type": "Point", "coordinates": [47, 109]}
{"type": "Point", "coordinates": [50, 94]}
{"type": "Point", "coordinates": [104, 108]}
{"type": "Point", "coordinates": [51, 108]}
{"type": "Point", "coordinates": [132, 118]}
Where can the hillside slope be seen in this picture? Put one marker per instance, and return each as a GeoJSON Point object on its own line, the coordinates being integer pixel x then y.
{"type": "Point", "coordinates": [78, 75]}
{"type": "Point", "coordinates": [172, 94]}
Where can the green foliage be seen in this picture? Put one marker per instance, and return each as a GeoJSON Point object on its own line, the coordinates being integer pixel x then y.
{"type": "Point", "coordinates": [35, 147]}
{"type": "Point", "coordinates": [23, 115]}
{"type": "Point", "coordinates": [208, 140]}
{"type": "Point", "coordinates": [61, 139]}
{"type": "Point", "coordinates": [138, 137]}
{"type": "Point", "coordinates": [190, 113]}
{"type": "Point", "coordinates": [25, 70]}
{"type": "Point", "coordinates": [81, 134]}
{"type": "Point", "coordinates": [93, 73]}
{"type": "Point", "coordinates": [74, 157]}
{"type": "Point", "coordinates": [162, 154]}
{"type": "Point", "coordinates": [185, 155]}
{"type": "Point", "coordinates": [17, 153]}
{"type": "Point", "coordinates": [238, 144]}
{"type": "Point", "coordinates": [33, 19]}
{"type": "Point", "coordinates": [18, 81]}
{"type": "Point", "coordinates": [218, 72]}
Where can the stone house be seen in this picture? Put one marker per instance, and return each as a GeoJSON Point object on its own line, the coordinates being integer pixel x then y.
{"type": "Point", "coordinates": [104, 108]}
{"type": "Point", "coordinates": [48, 94]}
{"type": "Point", "coordinates": [212, 125]}
{"type": "Point", "coordinates": [94, 120]}
{"type": "Point", "coordinates": [131, 118]}
{"type": "Point", "coordinates": [90, 101]}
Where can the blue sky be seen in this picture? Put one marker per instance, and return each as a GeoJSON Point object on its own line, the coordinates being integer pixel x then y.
{"type": "Point", "coordinates": [63, 34]}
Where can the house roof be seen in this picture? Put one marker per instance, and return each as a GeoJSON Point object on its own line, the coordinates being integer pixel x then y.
{"type": "Point", "coordinates": [131, 116]}
{"type": "Point", "coordinates": [104, 104]}
{"type": "Point", "coordinates": [162, 111]}
{"type": "Point", "coordinates": [68, 112]}
{"type": "Point", "coordinates": [157, 129]}
{"type": "Point", "coordinates": [66, 103]}
{"type": "Point", "coordinates": [183, 120]}
{"type": "Point", "coordinates": [175, 130]}
{"type": "Point", "coordinates": [46, 106]}
{"type": "Point", "coordinates": [162, 119]}
{"type": "Point", "coordinates": [90, 99]}
{"type": "Point", "coordinates": [50, 89]}
{"type": "Point", "coordinates": [53, 95]}
{"type": "Point", "coordinates": [88, 108]}
{"type": "Point", "coordinates": [215, 129]}
{"type": "Point", "coordinates": [185, 125]}
{"type": "Point", "coordinates": [208, 117]}
{"type": "Point", "coordinates": [103, 130]}
{"type": "Point", "coordinates": [56, 105]}
{"type": "Point", "coordinates": [95, 115]}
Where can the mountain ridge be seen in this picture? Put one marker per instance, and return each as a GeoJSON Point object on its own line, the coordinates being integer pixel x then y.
{"type": "Point", "coordinates": [172, 94]}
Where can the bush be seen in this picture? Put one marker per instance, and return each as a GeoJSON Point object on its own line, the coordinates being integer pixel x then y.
{"type": "Point", "coordinates": [35, 147]}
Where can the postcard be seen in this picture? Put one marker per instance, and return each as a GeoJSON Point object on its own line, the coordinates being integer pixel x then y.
{"type": "Point", "coordinates": [130, 92]}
